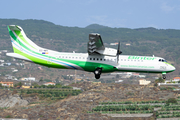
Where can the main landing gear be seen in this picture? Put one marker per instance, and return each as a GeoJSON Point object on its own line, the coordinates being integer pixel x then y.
{"type": "Point", "coordinates": [97, 72]}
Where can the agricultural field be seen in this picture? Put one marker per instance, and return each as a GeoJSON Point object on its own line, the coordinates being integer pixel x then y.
{"type": "Point", "coordinates": [170, 110]}
{"type": "Point", "coordinates": [159, 109]}
{"type": "Point", "coordinates": [53, 94]}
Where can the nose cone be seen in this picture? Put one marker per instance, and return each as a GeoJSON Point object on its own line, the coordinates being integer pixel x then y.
{"type": "Point", "coordinates": [173, 68]}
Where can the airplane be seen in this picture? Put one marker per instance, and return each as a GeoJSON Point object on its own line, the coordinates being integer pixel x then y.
{"type": "Point", "coordinates": [99, 59]}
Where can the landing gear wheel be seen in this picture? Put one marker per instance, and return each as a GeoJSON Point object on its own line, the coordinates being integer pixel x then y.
{"type": "Point", "coordinates": [97, 73]}
{"type": "Point", "coordinates": [97, 76]}
{"type": "Point", "coordinates": [164, 76]}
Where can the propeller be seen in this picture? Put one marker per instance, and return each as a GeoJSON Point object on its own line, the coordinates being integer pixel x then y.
{"type": "Point", "coordinates": [118, 52]}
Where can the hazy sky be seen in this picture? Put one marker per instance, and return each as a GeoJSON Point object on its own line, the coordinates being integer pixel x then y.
{"type": "Point", "coordinates": [161, 14]}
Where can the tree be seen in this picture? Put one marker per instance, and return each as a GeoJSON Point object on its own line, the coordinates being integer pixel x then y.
{"type": "Point", "coordinates": [171, 100]}
{"type": "Point", "coordinates": [18, 84]}
{"type": "Point", "coordinates": [159, 80]}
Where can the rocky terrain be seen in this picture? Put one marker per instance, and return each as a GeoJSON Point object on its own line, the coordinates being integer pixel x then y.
{"type": "Point", "coordinates": [9, 99]}
{"type": "Point", "coordinates": [76, 107]}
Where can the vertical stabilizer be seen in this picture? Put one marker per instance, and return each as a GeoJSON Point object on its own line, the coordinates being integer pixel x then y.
{"type": "Point", "coordinates": [20, 41]}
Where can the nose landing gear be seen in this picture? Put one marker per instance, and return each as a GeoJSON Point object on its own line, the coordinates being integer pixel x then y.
{"type": "Point", "coordinates": [97, 72]}
{"type": "Point", "coordinates": [164, 75]}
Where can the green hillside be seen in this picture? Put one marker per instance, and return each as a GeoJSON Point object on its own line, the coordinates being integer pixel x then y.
{"type": "Point", "coordinates": [144, 41]}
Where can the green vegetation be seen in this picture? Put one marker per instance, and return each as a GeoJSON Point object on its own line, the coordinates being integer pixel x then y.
{"type": "Point", "coordinates": [130, 102]}
{"type": "Point", "coordinates": [133, 107]}
{"type": "Point", "coordinates": [8, 116]}
{"type": "Point", "coordinates": [53, 94]}
{"type": "Point", "coordinates": [18, 84]}
{"type": "Point", "coordinates": [171, 100]}
{"type": "Point", "coordinates": [58, 85]}
{"type": "Point", "coordinates": [168, 109]}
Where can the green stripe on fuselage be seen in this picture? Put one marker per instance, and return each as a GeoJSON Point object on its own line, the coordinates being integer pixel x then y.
{"type": "Point", "coordinates": [91, 66]}
{"type": "Point", "coordinates": [41, 61]}
{"type": "Point", "coordinates": [18, 33]}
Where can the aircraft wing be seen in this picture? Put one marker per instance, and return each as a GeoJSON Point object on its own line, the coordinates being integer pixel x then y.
{"type": "Point", "coordinates": [96, 46]}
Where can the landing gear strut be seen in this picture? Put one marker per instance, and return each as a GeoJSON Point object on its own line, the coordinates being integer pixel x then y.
{"type": "Point", "coordinates": [97, 72]}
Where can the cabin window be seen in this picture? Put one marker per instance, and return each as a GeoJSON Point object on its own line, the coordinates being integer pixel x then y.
{"type": "Point", "coordinates": [160, 60]}
{"type": "Point", "coordinates": [62, 56]}
{"type": "Point", "coordinates": [104, 59]}
{"type": "Point", "coordinates": [101, 59]}
{"type": "Point", "coordinates": [76, 57]}
{"type": "Point", "coordinates": [90, 58]}
{"type": "Point", "coordinates": [79, 57]}
{"type": "Point", "coordinates": [97, 58]}
{"type": "Point", "coordinates": [93, 58]}
{"type": "Point", "coordinates": [59, 56]}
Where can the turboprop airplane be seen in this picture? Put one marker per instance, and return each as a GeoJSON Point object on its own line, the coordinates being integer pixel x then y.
{"type": "Point", "coordinates": [99, 58]}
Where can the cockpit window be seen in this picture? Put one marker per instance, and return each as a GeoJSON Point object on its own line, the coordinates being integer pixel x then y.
{"type": "Point", "coordinates": [165, 61]}
{"type": "Point", "coordinates": [162, 60]}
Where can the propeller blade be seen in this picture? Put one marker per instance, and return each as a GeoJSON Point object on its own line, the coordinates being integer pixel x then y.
{"type": "Point", "coordinates": [118, 51]}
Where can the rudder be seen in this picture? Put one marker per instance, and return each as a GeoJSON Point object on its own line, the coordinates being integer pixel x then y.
{"type": "Point", "coordinates": [19, 39]}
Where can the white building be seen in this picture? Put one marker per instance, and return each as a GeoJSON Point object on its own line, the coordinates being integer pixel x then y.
{"type": "Point", "coordinates": [144, 82]}
{"type": "Point", "coordinates": [142, 76]}
{"type": "Point", "coordinates": [28, 79]}
{"type": "Point", "coordinates": [119, 81]}
{"type": "Point", "coordinates": [1, 60]}
{"type": "Point", "coordinates": [32, 78]}
{"type": "Point", "coordinates": [49, 83]}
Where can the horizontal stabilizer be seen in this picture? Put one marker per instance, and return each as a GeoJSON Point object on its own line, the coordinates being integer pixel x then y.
{"type": "Point", "coordinates": [14, 27]}
{"type": "Point", "coordinates": [15, 55]}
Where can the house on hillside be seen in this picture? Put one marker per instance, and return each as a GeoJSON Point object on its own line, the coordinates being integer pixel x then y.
{"type": "Point", "coordinates": [118, 81]}
{"type": "Point", "coordinates": [49, 83]}
{"type": "Point", "coordinates": [144, 82]}
{"type": "Point", "coordinates": [26, 87]}
{"type": "Point", "coordinates": [28, 79]}
{"type": "Point", "coordinates": [7, 84]}
{"type": "Point", "coordinates": [135, 74]}
{"type": "Point", "coordinates": [176, 79]}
